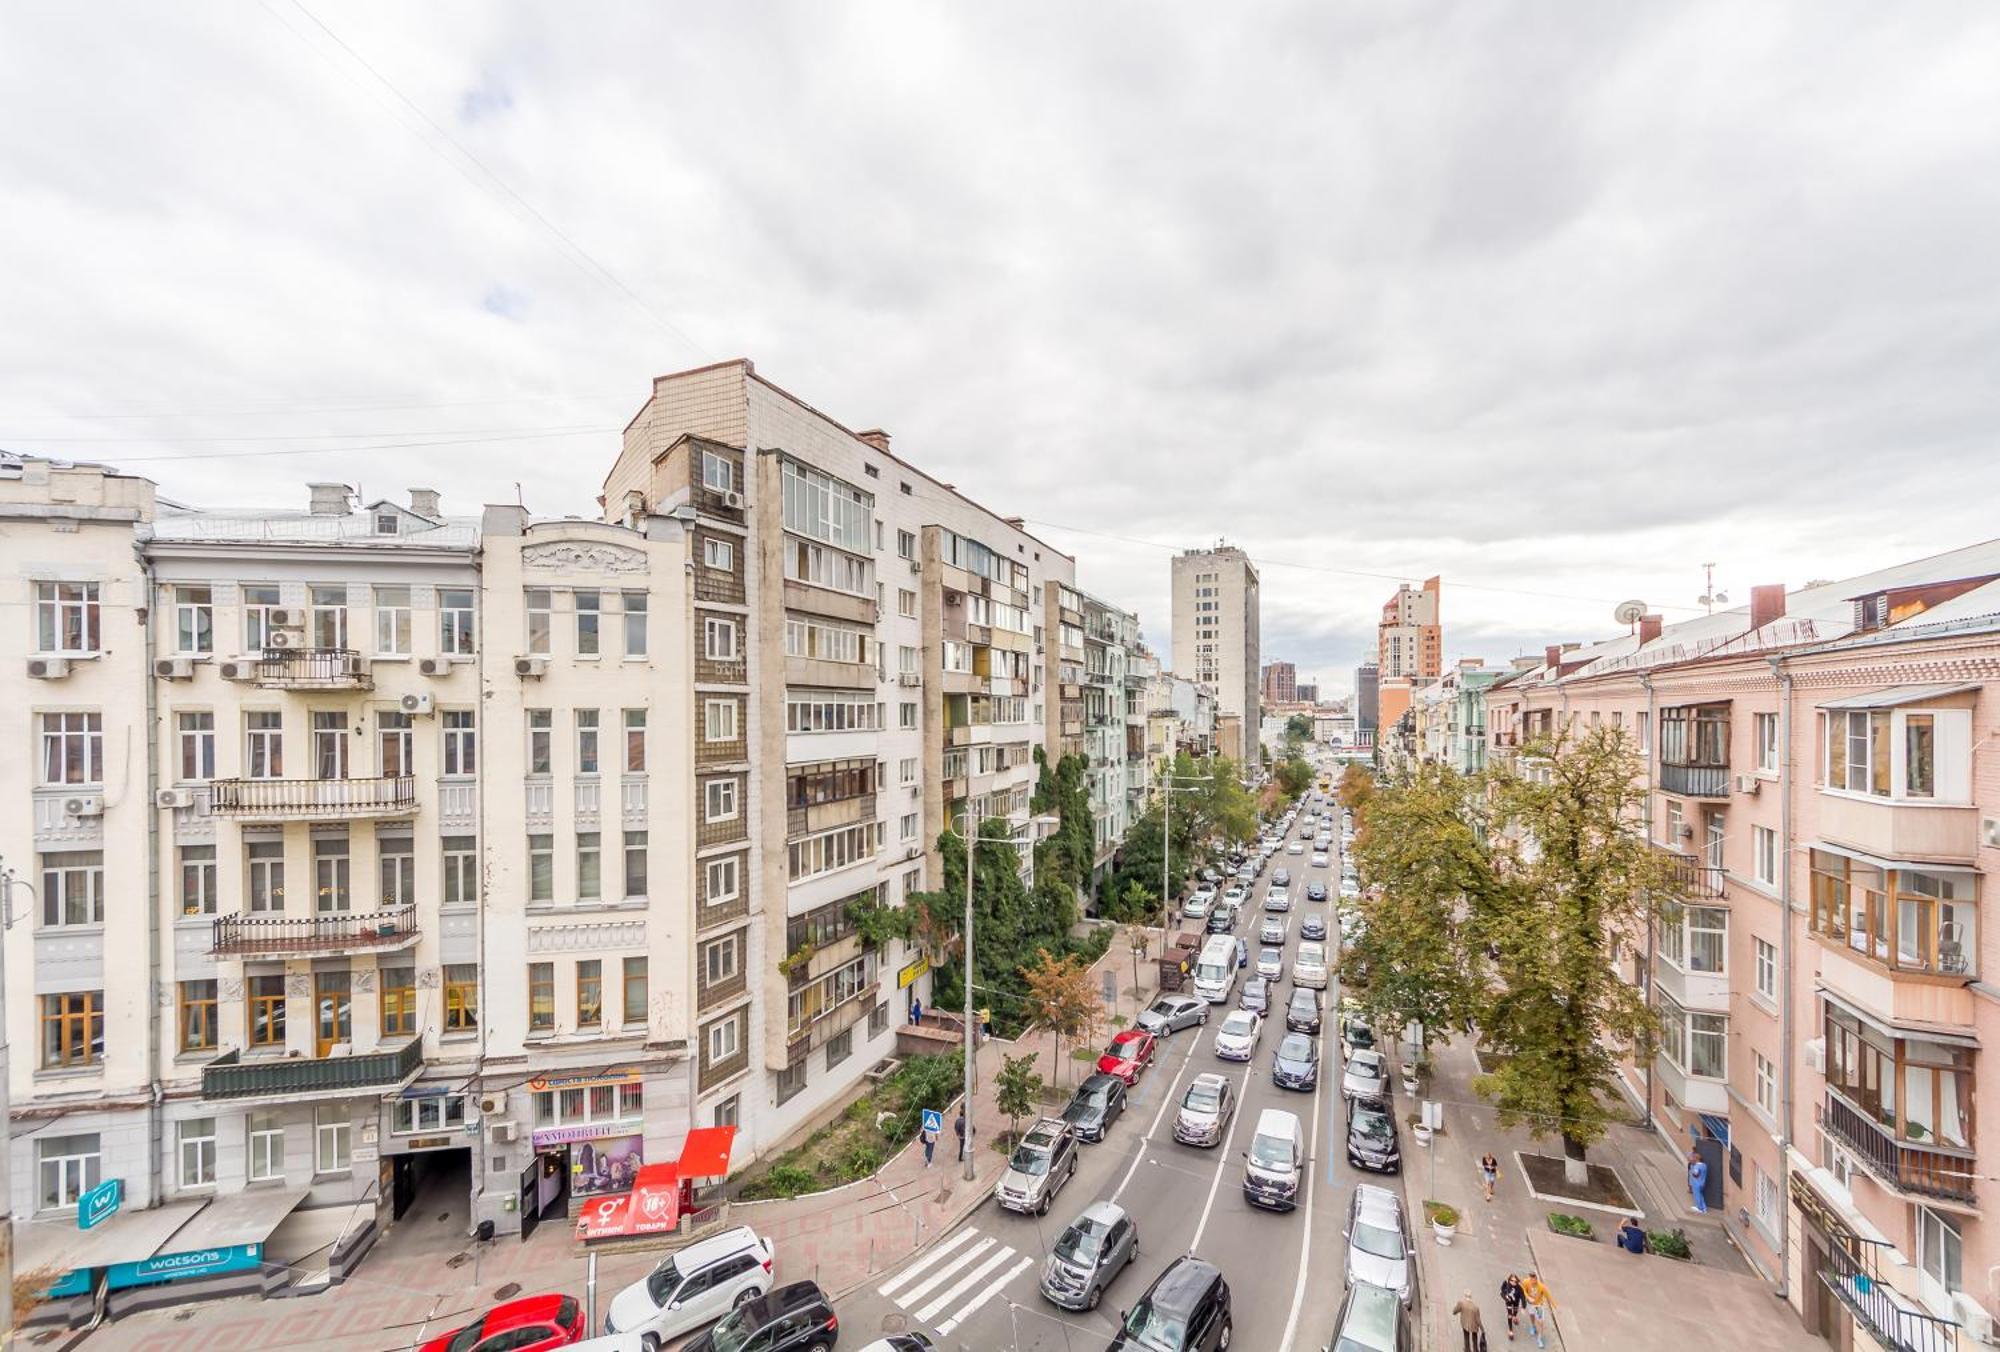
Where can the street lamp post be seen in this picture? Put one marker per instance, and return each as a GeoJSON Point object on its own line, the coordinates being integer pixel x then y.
{"type": "Point", "coordinates": [972, 843]}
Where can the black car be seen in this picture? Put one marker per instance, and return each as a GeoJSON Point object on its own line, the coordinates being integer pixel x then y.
{"type": "Point", "coordinates": [1255, 995]}
{"type": "Point", "coordinates": [1315, 891]}
{"type": "Point", "coordinates": [1221, 918]}
{"type": "Point", "coordinates": [1186, 1309]}
{"type": "Point", "coordinates": [1296, 1065]}
{"type": "Point", "coordinates": [1302, 1013]}
{"type": "Point", "coordinates": [1371, 1136]}
{"type": "Point", "coordinates": [1098, 1101]}
{"type": "Point", "coordinates": [1313, 927]}
{"type": "Point", "coordinates": [796, 1317]}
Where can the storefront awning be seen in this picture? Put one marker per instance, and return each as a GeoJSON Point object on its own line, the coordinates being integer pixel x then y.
{"type": "Point", "coordinates": [246, 1217]}
{"type": "Point", "coordinates": [705, 1153]}
{"type": "Point", "coordinates": [1897, 695]}
{"type": "Point", "coordinates": [56, 1246]}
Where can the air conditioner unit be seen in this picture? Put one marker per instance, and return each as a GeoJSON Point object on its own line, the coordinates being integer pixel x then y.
{"type": "Point", "coordinates": [732, 499]}
{"type": "Point", "coordinates": [236, 671]}
{"type": "Point", "coordinates": [48, 668]}
{"type": "Point", "coordinates": [504, 1133]}
{"type": "Point", "coordinates": [433, 666]}
{"type": "Point", "coordinates": [282, 618]}
{"type": "Point", "coordinates": [1815, 1049]}
{"type": "Point", "coordinates": [84, 805]}
{"type": "Point", "coordinates": [916, 565]}
{"type": "Point", "coordinates": [909, 678]}
{"type": "Point", "coordinates": [283, 639]}
{"type": "Point", "coordinates": [174, 798]}
{"type": "Point", "coordinates": [913, 852]}
{"type": "Point", "coordinates": [1749, 784]}
{"type": "Point", "coordinates": [492, 1103]}
{"type": "Point", "coordinates": [1989, 832]}
{"type": "Point", "coordinates": [1972, 1317]}
{"type": "Point", "coordinates": [174, 668]}
{"type": "Point", "coordinates": [952, 598]}
{"type": "Point", "coordinates": [531, 668]}
{"type": "Point", "coordinates": [416, 704]}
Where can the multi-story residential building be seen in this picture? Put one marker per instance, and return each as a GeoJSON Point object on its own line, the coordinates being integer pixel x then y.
{"type": "Point", "coordinates": [1216, 633]}
{"type": "Point", "coordinates": [1818, 764]}
{"type": "Point", "coordinates": [1367, 698]}
{"type": "Point", "coordinates": [1281, 683]}
{"type": "Point", "coordinates": [1306, 692]}
{"type": "Point", "coordinates": [1180, 717]}
{"type": "Point", "coordinates": [1111, 652]}
{"type": "Point", "coordinates": [1064, 652]}
{"type": "Point", "coordinates": [1409, 640]}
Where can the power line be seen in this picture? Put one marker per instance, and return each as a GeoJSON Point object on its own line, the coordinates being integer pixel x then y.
{"type": "Point", "coordinates": [294, 408]}
{"type": "Point", "coordinates": [345, 450]}
{"type": "Point", "coordinates": [470, 432]}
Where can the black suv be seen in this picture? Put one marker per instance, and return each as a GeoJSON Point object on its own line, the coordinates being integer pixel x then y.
{"type": "Point", "coordinates": [1186, 1309]}
{"type": "Point", "coordinates": [793, 1318]}
{"type": "Point", "coordinates": [1371, 1136]}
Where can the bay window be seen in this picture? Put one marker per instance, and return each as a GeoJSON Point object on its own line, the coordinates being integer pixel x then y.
{"type": "Point", "coordinates": [1915, 1089]}
{"type": "Point", "coordinates": [1913, 920]}
{"type": "Point", "coordinates": [1907, 755]}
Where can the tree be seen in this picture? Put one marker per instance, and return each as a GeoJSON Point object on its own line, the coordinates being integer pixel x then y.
{"type": "Point", "coordinates": [1210, 801]}
{"type": "Point", "coordinates": [1570, 875]}
{"type": "Point", "coordinates": [1016, 1088]}
{"type": "Point", "coordinates": [1294, 776]}
{"type": "Point", "coordinates": [1354, 789]}
{"type": "Point", "coordinates": [1064, 790]}
{"type": "Point", "coordinates": [1060, 997]}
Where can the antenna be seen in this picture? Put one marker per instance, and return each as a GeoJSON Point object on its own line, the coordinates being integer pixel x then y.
{"type": "Point", "coordinates": [1710, 598]}
{"type": "Point", "coordinates": [1629, 613]}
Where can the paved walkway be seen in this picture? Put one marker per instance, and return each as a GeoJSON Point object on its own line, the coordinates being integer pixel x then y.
{"type": "Point", "coordinates": [1648, 1304]}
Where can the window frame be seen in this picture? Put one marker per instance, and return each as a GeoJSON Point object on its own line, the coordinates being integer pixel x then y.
{"type": "Point", "coordinates": [394, 632]}
{"type": "Point", "coordinates": [458, 622]}
{"type": "Point", "coordinates": [194, 620]}
{"type": "Point", "coordinates": [66, 611]}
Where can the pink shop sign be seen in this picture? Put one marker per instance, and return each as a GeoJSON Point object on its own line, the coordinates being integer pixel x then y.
{"type": "Point", "coordinates": [592, 1132]}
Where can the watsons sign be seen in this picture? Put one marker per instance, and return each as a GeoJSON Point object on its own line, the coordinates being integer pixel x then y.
{"type": "Point", "coordinates": [193, 1263]}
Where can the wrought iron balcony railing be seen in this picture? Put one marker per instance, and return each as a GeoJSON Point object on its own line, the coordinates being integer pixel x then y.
{"type": "Point", "coordinates": [245, 936]}
{"type": "Point", "coordinates": [1909, 1168]}
{"type": "Point", "coordinates": [228, 1076]}
{"type": "Point", "coordinates": [313, 669]}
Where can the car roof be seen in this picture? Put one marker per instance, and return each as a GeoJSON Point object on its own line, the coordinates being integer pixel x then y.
{"type": "Point", "coordinates": [1366, 1057]}
{"type": "Point", "coordinates": [705, 1251]}
{"type": "Point", "coordinates": [780, 1300]}
{"type": "Point", "coordinates": [1305, 993]}
{"type": "Point", "coordinates": [1102, 1213]}
{"type": "Point", "coordinates": [513, 1314]}
{"type": "Point", "coordinates": [1277, 1122]}
{"type": "Point", "coordinates": [1369, 1317]}
{"type": "Point", "coordinates": [1210, 1077]}
{"type": "Point", "coordinates": [1184, 1283]}
{"type": "Point", "coordinates": [1097, 1079]}
{"type": "Point", "coordinates": [1377, 1204]}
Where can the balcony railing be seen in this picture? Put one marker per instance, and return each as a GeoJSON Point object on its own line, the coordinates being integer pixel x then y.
{"type": "Point", "coordinates": [1700, 878]}
{"type": "Point", "coordinates": [314, 799]}
{"type": "Point", "coordinates": [313, 669]}
{"type": "Point", "coordinates": [247, 936]}
{"type": "Point", "coordinates": [1911, 1169]}
{"type": "Point", "coordinates": [228, 1076]}
{"type": "Point", "coordinates": [1694, 750]}
{"type": "Point", "coordinates": [1891, 1318]}
{"type": "Point", "coordinates": [1695, 781]}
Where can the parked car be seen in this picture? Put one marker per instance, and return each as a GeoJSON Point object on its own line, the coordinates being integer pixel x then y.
{"type": "Point", "coordinates": [1210, 876]}
{"type": "Point", "coordinates": [1206, 1107]}
{"type": "Point", "coordinates": [1371, 1136]}
{"type": "Point", "coordinates": [1256, 995]}
{"type": "Point", "coordinates": [1235, 894]}
{"type": "Point", "coordinates": [1197, 904]}
{"type": "Point", "coordinates": [1371, 1319]}
{"type": "Point", "coordinates": [1315, 890]}
{"type": "Point", "coordinates": [1236, 1040]}
{"type": "Point", "coordinates": [902, 1342]}
{"type": "Point", "coordinates": [1274, 1165]}
{"type": "Point", "coordinates": [528, 1324]}
{"type": "Point", "coordinates": [1355, 1035]}
{"type": "Point", "coordinates": [1313, 926]}
{"type": "Point", "coordinates": [1271, 930]}
{"type": "Point", "coordinates": [1302, 1013]}
{"type": "Point", "coordinates": [1309, 969]}
{"type": "Point", "coordinates": [1130, 1052]}
{"type": "Point", "coordinates": [1350, 887]}
{"type": "Point", "coordinates": [1276, 898]}
{"type": "Point", "coordinates": [797, 1317]}
{"type": "Point", "coordinates": [1271, 964]}
{"type": "Point", "coordinates": [1097, 1103]}
{"type": "Point", "coordinates": [1172, 1012]}
{"type": "Point", "coordinates": [1092, 1250]}
{"type": "Point", "coordinates": [1039, 1167]}
{"type": "Point", "coordinates": [1186, 1309]}
{"type": "Point", "coordinates": [1296, 1065]}
{"type": "Point", "coordinates": [694, 1286]}
{"type": "Point", "coordinates": [1366, 1076]}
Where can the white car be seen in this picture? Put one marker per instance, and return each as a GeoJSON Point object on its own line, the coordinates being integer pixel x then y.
{"type": "Point", "coordinates": [1319, 860]}
{"type": "Point", "coordinates": [1309, 968]}
{"type": "Point", "coordinates": [1271, 930]}
{"type": "Point", "coordinates": [1233, 897]}
{"type": "Point", "coordinates": [695, 1286]}
{"type": "Point", "coordinates": [1349, 887]}
{"type": "Point", "coordinates": [1271, 963]}
{"type": "Point", "coordinates": [1277, 899]}
{"type": "Point", "coordinates": [1196, 906]}
{"type": "Point", "coordinates": [1236, 1040]}
{"type": "Point", "coordinates": [1296, 847]}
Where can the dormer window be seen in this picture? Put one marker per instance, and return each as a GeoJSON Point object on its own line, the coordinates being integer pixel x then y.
{"type": "Point", "coordinates": [386, 523]}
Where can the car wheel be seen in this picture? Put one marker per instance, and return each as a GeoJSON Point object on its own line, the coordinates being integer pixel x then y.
{"type": "Point", "coordinates": [1042, 1208]}
{"type": "Point", "coordinates": [828, 1347]}
{"type": "Point", "coordinates": [649, 1342]}
{"type": "Point", "coordinates": [1223, 1343]}
{"type": "Point", "coordinates": [1096, 1294]}
{"type": "Point", "coordinates": [745, 1296]}
{"type": "Point", "coordinates": [1204, 1016]}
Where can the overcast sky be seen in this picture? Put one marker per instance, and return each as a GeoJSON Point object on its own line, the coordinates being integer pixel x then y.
{"type": "Point", "coordinates": [1561, 301]}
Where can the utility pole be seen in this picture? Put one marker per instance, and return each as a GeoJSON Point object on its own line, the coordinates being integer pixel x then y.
{"type": "Point", "coordinates": [972, 843]}
{"type": "Point", "coordinates": [8, 882]}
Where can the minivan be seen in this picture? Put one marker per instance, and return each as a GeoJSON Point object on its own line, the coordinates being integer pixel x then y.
{"type": "Point", "coordinates": [1274, 1165]}
{"type": "Point", "coordinates": [1186, 1309]}
{"type": "Point", "coordinates": [1215, 969]}
{"type": "Point", "coordinates": [1309, 968]}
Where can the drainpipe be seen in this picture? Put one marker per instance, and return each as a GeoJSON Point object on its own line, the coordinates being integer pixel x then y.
{"type": "Point", "coordinates": [156, 1095]}
{"type": "Point", "coordinates": [1785, 1030]}
{"type": "Point", "coordinates": [1646, 681]}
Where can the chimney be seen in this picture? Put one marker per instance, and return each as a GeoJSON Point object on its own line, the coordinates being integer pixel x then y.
{"type": "Point", "coordinates": [1552, 655]}
{"type": "Point", "coordinates": [1767, 603]}
{"type": "Point", "coordinates": [877, 438]}
{"type": "Point", "coordinates": [329, 499]}
{"type": "Point", "coordinates": [1649, 627]}
{"type": "Point", "coordinates": [424, 502]}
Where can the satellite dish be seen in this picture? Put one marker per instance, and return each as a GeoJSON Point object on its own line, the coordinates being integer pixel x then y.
{"type": "Point", "coordinates": [1630, 612]}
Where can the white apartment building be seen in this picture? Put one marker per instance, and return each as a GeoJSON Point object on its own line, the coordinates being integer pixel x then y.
{"type": "Point", "coordinates": [1216, 627]}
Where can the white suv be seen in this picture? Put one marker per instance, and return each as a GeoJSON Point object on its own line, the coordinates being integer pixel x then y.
{"type": "Point", "coordinates": [696, 1286]}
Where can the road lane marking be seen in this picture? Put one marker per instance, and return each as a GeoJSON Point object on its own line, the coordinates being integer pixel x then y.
{"type": "Point", "coordinates": [1220, 1164]}
{"type": "Point", "coordinates": [1147, 1138]}
{"type": "Point", "coordinates": [1306, 1242]}
{"type": "Point", "coordinates": [964, 1284]}
{"type": "Point", "coordinates": [889, 1287]}
{"type": "Point", "coordinates": [945, 1273]}
{"type": "Point", "coordinates": [944, 1329]}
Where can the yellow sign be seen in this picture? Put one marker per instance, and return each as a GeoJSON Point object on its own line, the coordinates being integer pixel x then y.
{"type": "Point", "coordinates": [910, 972]}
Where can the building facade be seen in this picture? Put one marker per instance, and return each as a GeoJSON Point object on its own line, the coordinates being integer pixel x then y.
{"type": "Point", "coordinates": [1281, 683]}
{"type": "Point", "coordinates": [1216, 633]}
{"type": "Point", "coordinates": [1367, 698]}
{"type": "Point", "coordinates": [1409, 640]}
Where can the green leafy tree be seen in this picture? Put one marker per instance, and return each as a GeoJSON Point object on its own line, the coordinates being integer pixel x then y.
{"type": "Point", "coordinates": [1211, 802]}
{"type": "Point", "coordinates": [1298, 728]}
{"type": "Point", "coordinates": [1294, 776]}
{"type": "Point", "coordinates": [1016, 1089]}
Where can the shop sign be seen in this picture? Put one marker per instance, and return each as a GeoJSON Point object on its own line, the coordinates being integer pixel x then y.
{"type": "Point", "coordinates": [912, 971]}
{"type": "Point", "coordinates": [101, 1203]}
{"type": "Point", "coordinates": [584, 1079]}
{"type": "Point", "coordinates": [193, 1263]}
{"type": "Point", "coordinates": [427, 1142]}
{"type": "Point", "coordinates": [651, 1208]}
{"type": "Point", "coordinates": [605, 1164]}
{"type": "Point", "coordinates": [547, 1136]}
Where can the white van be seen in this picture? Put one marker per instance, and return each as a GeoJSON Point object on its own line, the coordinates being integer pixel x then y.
{"type": "Point", "coordinates": [1215, 970]}
{"type": "Point", "coordinates": [1276, 1161]}
{"type": "Point", "coordinates": [1309, 968]}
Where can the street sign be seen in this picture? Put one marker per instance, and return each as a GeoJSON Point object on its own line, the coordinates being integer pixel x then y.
{"type": "Point", "coordinates": [934, 1120]}
{"type": "Point", "coordinates": [101, 1203]}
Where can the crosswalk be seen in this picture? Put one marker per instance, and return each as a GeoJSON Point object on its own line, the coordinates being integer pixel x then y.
{"type": "Point", "coordinates": [968, 1267]}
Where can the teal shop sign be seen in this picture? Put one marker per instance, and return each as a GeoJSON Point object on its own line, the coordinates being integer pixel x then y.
{"type": "Point", "coordinates": [101, 1203]}
{"type": "Point", "coordinates": [193, 1263]}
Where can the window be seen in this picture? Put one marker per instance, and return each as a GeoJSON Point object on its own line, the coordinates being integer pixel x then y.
{"type": "Point", "coordinates": [259, 600]}
{"type": "Point", "coordinates": [72, 888]}
{"type": "Point", "coordinates": [720, 800]}
{"type": "Point", "coordinates": [721, 959]}
{"type": "Point", "coordinates": [906, 659]}
{"type": "Point", "coordinates": [586, 741]}
{"type": "Point", "coordinates": [1644, 723]}
{"type": "Point", "coordinates": [461, 997]}
{"type": "Point", "coordinates": [635, 624]}
{"type": "Point", "coordinates": [1767, 969]}
{"type": "Point", "coordinates": [72, 1029]}
{"type": "Point", "coordinates": [823, 508]}
{"type": "Point", "coordinates": [907, 828]}
{"type": "Point", "coordinates": [541, 729]}
{"type": "Point", "coordinates": [196, 734]}
{"type": "Point", "coordinates": [589, 866]}
{"type": "Point", "coordinates": [878, 1020]}
{"type": "Point", "coordinates": [541, 868]}
{"type": "Point", "coordinates": [267, 1010]}
{"type": "Point", "coordinates": [333, 1134]}
{"type": "Point", "coordinates": [718, 639]}
{"type": "Point", "coordinates": [1708, 1045]}
{"type": "Point", "coordinates": [66, 617]}
{"type": "Point", "coordinates": [791, 1080]}
{"type": "Point", "coordinates": [636, 999]}
{"type": "Point", "coordinates": [1767, 1213]}
{"type": "Point", "coordinates": [716, 473]}
{"type": "Point", "coordinates": [835, 849]}
{"type": "Point", "coordinates": [329, 745]}
{"type": "Point", "coordinates": [1718, 837]}
{"type": "Point", "coordinates": [392, 621]}
{"type": "Point", "coordinates": [819, 998]}
{"type": "Point", "coordinates": [1919, 755]}
{"type": "Point", "coordinates": [906, 714]}
{"type": "Point", "coordinates": [439, 1112]}
{"type": "Point", "coordinates": [395, 741]}
{"type": "Point", "coordinates": [264, 735]}
{"type": "Point", "coordinates": [461, 870]}
{"type": "Point", "coordinates": [455, 622]}
{"type": "Point", "coordinates": [66, 1168]}
{"type": "Point", "coordinates": [72, 748]}
{"type": "Point", "coordinates": [719, 720]}
{"type": "Point", "coordinates": [906, 770]}
{"type": "Point", "coordinates": [722, 875]}
{"type": "Point", "coordinates": [541, 997]}
{"type": "Point", "coordinates": [589, 993]}
{"type": "Point", "coordinates": [724, 1040]}
{"type": "Point", "coordinates": [267, 1148]}
{"type": "Point", "coordinates": [399, 1001]}
{"type": "Point", "coordinates": [194, 1139]}
{"type": "Point", "coordinates": [264, 875]}
{"type": "Point", "coordinates": [194, 620]}
{"type": "Point", "coordinates": [585, 1105]}
{"type": "Point", "coordinates": [830, 711]}
{"type": "Point", "coordinates": [198, 886]}
{"type": "Point", "coordinates": [386, 523]}
{"type": "Point", "coordinates": [906, 603]}
{"type": "Point", "coordinates": [1765, 1076]}
{"type": "Point", "coordinates": [535, 600]}
{"type": "Point", "coordinates": [197, 1010]}
{"type": "Point", "coordinates": [1940, 1251]}
{"type": "Point", "coordinates": [906, 544]}
{"type": "Point", "coordinates": [333, 880]}
{"type": "Point", "coordinates": [635, 864]}
{"type": "Point", "coordinates": [329, 617]}
{"type": "Point", "coordinates": [587, 606]}
{"type": "Point", "coordinates": [718, 554]}
{"type": "Point", "coordinates": [635, 741]}
{"type": "Point", "coordinates": [333, 995]}
{"type": "Point", "coordinates": [821, 566]}
{"type": "Point", "coordinates": [839, 1047]}
{"type": "Point", "coordinates": [727, 1113]}
{"type": "Point", "coordinates": [1764, 854]}
{"type": "Point", "coordinates": [1857, 751]}
{"type": "Point", "coordinates": [1765, 728]}
{"type": "Point", "coordinates": [460, 743]}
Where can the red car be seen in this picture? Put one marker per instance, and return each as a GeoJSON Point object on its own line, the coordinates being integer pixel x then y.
{"type": "Point", "coordinates": [529, 1324]}
{"type": "Point", "coordinates": [1129, 1054]}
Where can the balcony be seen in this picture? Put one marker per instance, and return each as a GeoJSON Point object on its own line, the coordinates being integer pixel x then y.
{"type": "Point", "coordinates": [289, 800]}
{"type": "Point", "coordinates": [1891, 1318]}
{"type": "Point", "coordinates": [1899, 829]}
{"type": "Point", "coordinates": [1702, 881]}
{"type": "Point", "coordinates": [312, 669]}
{"type": "Point", "coordinates": [1696, 1093]}
{"type": "Point", "coordinates": [257, 936]}
{"type": "Point", "coordinates": [1694, 750]}
{"type": "Point", "coordinates": [1913, 1170]}
{"type": "Point", "coordinates": [228, 1076]}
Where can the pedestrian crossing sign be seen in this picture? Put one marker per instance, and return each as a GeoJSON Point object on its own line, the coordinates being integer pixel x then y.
{"type": "Point", "coordinates": [933, 1120]}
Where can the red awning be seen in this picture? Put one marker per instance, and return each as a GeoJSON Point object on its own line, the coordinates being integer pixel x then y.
{"type": "Point", "coordinates": [652, 1207]}
{"type": "Point", "coordinates": [705, 1153]}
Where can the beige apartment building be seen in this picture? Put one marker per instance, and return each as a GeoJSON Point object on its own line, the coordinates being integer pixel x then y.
{"type": "Point", "coordinates": [1821, 765]}
{"type": "Point", "coordinates": [1216, 628]}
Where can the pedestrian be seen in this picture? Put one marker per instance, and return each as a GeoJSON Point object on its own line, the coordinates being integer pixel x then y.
{"type": "Point", "coordinates": [985, 1021]}
{"type": "Point", "coordinates": [1513, 1299]}
{"type": "Point", "coordinates": [1698, 1181]}
{"type": "Point", "coordinates": [1470, 1327]}
{"type": "Point", "coordinates": [930, 1144]}
{"type": "Point", "coordinates": [1489, 1172]}
{"type": "Point", "coordinates": [1630, 1237]}
{"type": "Point", "coordinates": [959, 1127]}
{"type": "Point", "coordinates": [916, 1010]}
{"type": "Point", "coordinates": [1540, 1306]}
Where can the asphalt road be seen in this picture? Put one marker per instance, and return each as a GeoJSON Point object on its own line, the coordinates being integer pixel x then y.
{"type": "Point", "coordinates": [976, 1288]}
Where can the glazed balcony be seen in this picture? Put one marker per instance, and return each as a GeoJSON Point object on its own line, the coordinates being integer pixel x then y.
{"type": "Point", "coordinates": [1694, 750]}
{"type": "Point", "coordinates": [332, 800]}
{"type": "Point", "coordinates": [312, 669]}
{"type": "Point", "coordinates": [229, 1076]}
{"type": "Point", "coordinates": [1918, 1171]}
{"type": "Point", "coordinates": [259, 936]}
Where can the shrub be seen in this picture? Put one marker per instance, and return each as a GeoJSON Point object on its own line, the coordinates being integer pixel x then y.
{"type": "Point", "coordinates": [863, 1159]}
{"type": "Point", "coordinates": [1564, 1224]}
{"type": "Point", "coordinates": [931, 1081]}
{"type": "Point", "coordinates": [1441, 1213]}
{"type": "Point", "coordinates": [789, 1180]}
{"type": "Point", "coordinates": [1669, 1243]}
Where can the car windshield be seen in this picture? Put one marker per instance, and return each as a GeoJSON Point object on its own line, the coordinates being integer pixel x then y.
{"type": "Point", "coordinates": [1369, 1122]}
{"type": "Point", "coordinates": [1118, 1051]}
{"type": "Point", "coordinates": [1380, 1240]}
{"type": "Point", "coordinates": [1360, 1034]}
{"type": "Point", "coordinates": [1303, 1004]}
{"type": "Point", "coordinates": [1364, 1068]}
{"type": "Point", "coordinates": [1162, 1008]}
{"type": "Point", "coordinates": [1095, 1095]}
{"type": "Point", "coordinates": [1033, 1163]}
{"type": "Point", "coordinates": [1295, 1047]}
{"type": "Point", "coordinates": [1270, 955]}
{"type": "Point", "coordinates": [1271, 1152]}
{"type": "Point", "coordinates": [1153, 1327]}
{"type": "Point", "coordinates": [734, 1330]}
{"type": "Point", "coordinates": [1203, 1098]}
{"type": "Point", "coordinates": [1238, 1024]}
{"type": "Point", "coordinates": [1081, 1243]}
{"type": "Point", "coordinates": [1370, 1325]}
{"type": "Point", "coordinates": [663, 1281]}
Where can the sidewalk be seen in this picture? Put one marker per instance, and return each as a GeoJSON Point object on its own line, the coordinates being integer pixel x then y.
{"type": "Point", "coordinates": [1506, 1235]}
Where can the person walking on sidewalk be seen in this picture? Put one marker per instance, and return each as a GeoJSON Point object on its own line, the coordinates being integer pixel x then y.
{"type": "Point", "coordinates": [930, 1145]}
{"type": "Point", "coordinates": [916, 1010]}
{"type": "Point", "coordinates": [959, 1127]}
{"type": "Point", "coordinates": [985, 1021]}
{"type": "Point", "coordinates": [1489, 1172]}
{"type": "Point", "coordinates": [1540, 1306]}
{"type": "Point", "coordinates": [1470, 1326]}
{"type": "Point", "coordinates": [1512, 1297]}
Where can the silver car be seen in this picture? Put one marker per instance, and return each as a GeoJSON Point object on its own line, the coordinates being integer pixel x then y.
{"type": "Point", "coordinates": [1040, 1165]}
{"type": "Point", "coordinates": [1378, 1241]}
{"type": "Point", "coordinates": [1171, 1012]}
{"type": "Point", "coordinates": [1094, 1249]}
{"type": "Point", "coordinates": [1205, 1111]}
{"type": "Point", "coordinates": [1365, 1076]}
{"type": "Point", "coordinates": [1272, 930]}
{"type": "Point", "coordinates": [1236, 1040]}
